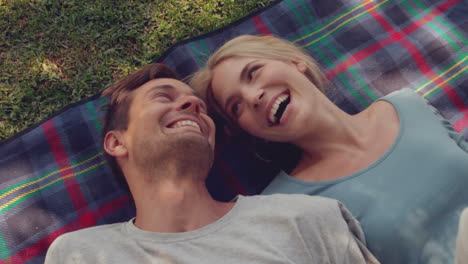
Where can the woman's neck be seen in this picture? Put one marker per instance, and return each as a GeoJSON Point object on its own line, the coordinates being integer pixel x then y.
{"type": "Point", "coordinates": [340, 139]}
{"type": "Point", "coordinates": [344, 144]}
{"type": "Point", "coordinates": [336, 131]}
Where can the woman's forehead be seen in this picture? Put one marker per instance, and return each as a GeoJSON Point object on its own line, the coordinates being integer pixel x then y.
{"type": "Point", "coordinates": [230, 68]}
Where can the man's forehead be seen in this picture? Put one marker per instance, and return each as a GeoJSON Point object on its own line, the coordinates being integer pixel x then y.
{"type": "Point", "coordinates": [172, 85]}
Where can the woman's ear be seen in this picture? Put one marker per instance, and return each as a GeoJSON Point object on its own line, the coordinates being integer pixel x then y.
{"type": "Point", "coordinates": [300, 64]}
{"type": "Point", "coordinates": [114, 144]}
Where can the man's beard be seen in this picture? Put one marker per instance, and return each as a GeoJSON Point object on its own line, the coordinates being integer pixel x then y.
{"type": "Point", "coordinates": [177, 156]}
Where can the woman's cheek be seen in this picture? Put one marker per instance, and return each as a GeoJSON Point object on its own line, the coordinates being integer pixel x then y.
{"type": "Point", "coordinates": [248, 124]}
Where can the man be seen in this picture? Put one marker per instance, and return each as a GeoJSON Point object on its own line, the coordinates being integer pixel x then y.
{"type": "Point", "coordinates": [161, 140]}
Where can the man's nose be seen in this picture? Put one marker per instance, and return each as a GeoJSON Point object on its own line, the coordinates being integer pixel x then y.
{"type": "Point", "coordinates": [191, 103]}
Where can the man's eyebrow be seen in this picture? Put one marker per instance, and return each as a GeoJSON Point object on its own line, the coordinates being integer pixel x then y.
{"type": "Point", "coordinates": [163, 86]}
{"type": "Point", "coordinates": [159, 87]}
{"type": "Point", "coordinates": [173, 88]}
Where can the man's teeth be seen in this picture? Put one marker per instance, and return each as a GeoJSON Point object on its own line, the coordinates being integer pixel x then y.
{"type": "Point", "coordinates": [185, 123]}
{"type": "Point", "coordinates": [275, 107]}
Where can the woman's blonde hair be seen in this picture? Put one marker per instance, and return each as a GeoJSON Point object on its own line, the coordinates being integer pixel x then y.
{"type": "Point", "coordinates": [268, 47]}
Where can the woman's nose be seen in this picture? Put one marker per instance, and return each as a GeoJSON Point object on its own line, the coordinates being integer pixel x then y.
{"type": "Point", "coordinates": [255, 98]}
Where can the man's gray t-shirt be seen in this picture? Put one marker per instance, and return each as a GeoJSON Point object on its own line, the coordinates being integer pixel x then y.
{"type": "Point", "coordinates": [259, 229]}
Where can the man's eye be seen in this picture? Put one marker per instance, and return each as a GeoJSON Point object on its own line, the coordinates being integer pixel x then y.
{"type": "Point", "coordinates": [163, 96]}
{"type": "Point", "coordinates": [253, 71]}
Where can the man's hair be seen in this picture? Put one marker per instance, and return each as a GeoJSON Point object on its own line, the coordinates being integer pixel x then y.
{"type": "Point", "coordinates": [120, 99]}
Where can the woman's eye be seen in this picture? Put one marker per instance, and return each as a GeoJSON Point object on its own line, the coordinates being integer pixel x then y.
{"type": "Point", "coordinates": [235, 109]}
{"type": "Point", "coordinates": [253, 71]}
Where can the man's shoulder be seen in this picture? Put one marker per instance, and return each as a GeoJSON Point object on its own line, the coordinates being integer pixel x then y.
{"type": "Point", "coordinates": [94, 233]}
{"type": "Point", "coordinates": [78, 246]}
{"type": "Point", "coordinates": [281, 199]}
{"type": "Point", "coordinates": [315, 212]}
{"type": "Point", "coordinates": [293, 202]}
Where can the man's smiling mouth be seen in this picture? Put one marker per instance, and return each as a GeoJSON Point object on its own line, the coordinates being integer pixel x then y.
{"type": "Point", "coordinates": [185, 123]}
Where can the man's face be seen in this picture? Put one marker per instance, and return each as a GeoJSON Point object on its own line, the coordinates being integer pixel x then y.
{"type": "Point", "coordinates": [168, 122]}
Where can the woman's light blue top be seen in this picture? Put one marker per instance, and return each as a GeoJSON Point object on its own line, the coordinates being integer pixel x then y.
{"type": "Point", "coordinates": [409, 201]}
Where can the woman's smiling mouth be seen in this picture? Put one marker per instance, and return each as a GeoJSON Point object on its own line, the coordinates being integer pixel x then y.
{"type": "Point", "coordinates": [278, 108]}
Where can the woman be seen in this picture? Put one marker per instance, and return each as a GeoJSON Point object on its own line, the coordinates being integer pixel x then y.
{"type": "Point", "coordinates": [462, 239]}
{"type": "Point", "coordinates": [406, 187]}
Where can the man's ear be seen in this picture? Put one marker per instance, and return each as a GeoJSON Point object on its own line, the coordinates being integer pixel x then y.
{"type": "Point", "coordinates": [114, 144]}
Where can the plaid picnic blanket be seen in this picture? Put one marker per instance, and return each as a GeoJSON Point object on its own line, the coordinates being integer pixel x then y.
{"type": "Point", "coordinates": [54, 179]}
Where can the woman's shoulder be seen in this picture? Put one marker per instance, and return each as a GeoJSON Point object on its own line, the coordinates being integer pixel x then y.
{"type": "Point", "coordinates": [405, 99]}
{"type": "Point", "coordinates": [402, 103]}
{"type": "Point", "coordinates": [411, 106]}
{"type": "Point", "coordinates": [385, 115]}
{"type": "Point", "coordinates": [404, 93]}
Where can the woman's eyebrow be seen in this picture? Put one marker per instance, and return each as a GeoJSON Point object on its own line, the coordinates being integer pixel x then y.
{"type": "Point", "coordinates": [245, 70]}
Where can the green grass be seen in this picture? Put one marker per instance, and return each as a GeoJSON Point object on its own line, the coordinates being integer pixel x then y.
{"type": "Point", "coordinates": [53, 53]}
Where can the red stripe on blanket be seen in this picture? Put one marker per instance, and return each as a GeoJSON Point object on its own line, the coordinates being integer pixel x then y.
{"type": "Point", "coordinates": [395, 36]}
{"type": "Point", "coordinates": [60, 155]}
{"type": "Point", "coordinates": [426, 69]}
{"type": "Point", "coordinates": [416, 54]}
{"type": "Point", "coordinates": [354, 59]}
{"type": "Point", "coordinates": [42, 245]}
{"type": "Point", "coordinates": [260, 26]}
{"type": "Point", "coordinates": [461, 124]}
{"type": "Point", "coordinates": [392, 38]}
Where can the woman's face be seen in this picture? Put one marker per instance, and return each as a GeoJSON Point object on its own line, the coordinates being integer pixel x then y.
{"type": "Point", "coordinates": [270, 99]}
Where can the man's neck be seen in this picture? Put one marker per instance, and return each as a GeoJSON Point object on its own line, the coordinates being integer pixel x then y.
{"type": "Point", "coordinates": [171, 206]}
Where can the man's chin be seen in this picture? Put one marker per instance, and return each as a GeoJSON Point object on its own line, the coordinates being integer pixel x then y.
{"type": "Point", "coordinates": [192, 148]}
{"type": "Point", "coordinates": [181, 152]}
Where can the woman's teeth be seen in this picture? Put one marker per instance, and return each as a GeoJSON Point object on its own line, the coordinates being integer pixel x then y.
{"type": "Point", "coordinates": [185, 123]}
{"type": "Point", "coordinates": [273, 117]}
